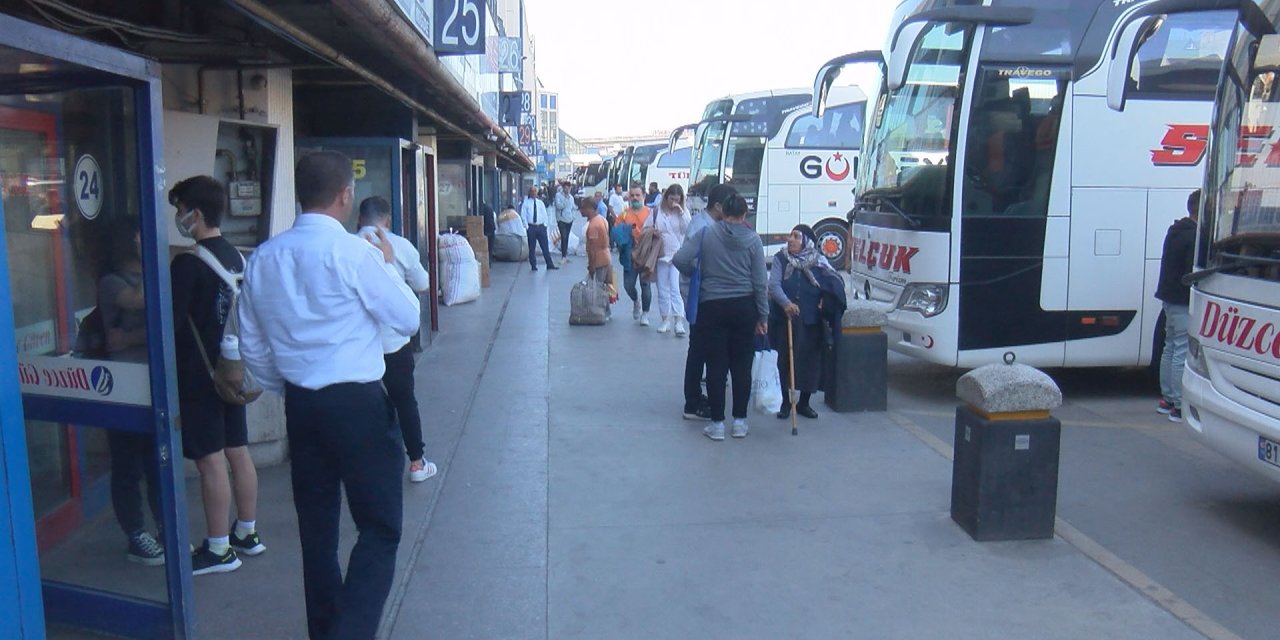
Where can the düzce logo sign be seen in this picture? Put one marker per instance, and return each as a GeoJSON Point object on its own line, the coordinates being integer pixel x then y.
{"type": "Point", "coordinates": [888, 257]}
{"type": "Point", "coordinates": [76, 378]}
{"type": "Point", "coordinates": [1231, 328]}
{"type": "Point", "coordinates": [837, 167]}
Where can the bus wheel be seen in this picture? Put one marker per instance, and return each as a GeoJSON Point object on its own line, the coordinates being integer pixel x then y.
{"type": "Point", "coordinates": [833, 241]}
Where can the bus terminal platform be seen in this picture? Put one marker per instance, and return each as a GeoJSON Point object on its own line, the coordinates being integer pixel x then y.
{"type": "Point", "coordinates": [574, 502]}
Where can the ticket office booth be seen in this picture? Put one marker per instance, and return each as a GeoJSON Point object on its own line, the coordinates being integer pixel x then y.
{"type": "Point", "coordinates": [402, 172]}
{"type": "Point", "coordinates": [87, 401]}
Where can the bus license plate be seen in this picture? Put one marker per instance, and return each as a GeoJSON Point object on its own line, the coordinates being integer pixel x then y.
{"type": "Point", "coordinates": [1269, 451]}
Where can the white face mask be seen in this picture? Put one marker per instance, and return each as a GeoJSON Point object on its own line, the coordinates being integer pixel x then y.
{"type": "Point", "coordinates": [186, 225]}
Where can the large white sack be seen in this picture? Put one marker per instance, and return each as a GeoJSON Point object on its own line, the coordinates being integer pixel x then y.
{"type": "Point", "coordinates": [510, 222]}
{"type": "Point", "coordinates": [459, 270]}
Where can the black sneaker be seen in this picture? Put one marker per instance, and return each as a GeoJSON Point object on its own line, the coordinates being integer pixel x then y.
{"type": "Point", "coordinates": [702, 412]}
{"type": "Point", "coordinates": [1175, 415]}
{"type": "Point", "coordinates": [249, 545]}
{"type": "Point", "coordinates": [144, 549]}
{"type": "Point", "coordinates": [205, 561]}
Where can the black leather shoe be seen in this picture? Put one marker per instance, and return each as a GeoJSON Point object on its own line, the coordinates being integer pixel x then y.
{"type": "Point", "coordinates": [806, 411]}
{"type": "Point", "coordinates": [552, 267]}
{"type": "Point", "coordinates": [784, 413]}
{"type": "Point", "coordinates": [533, 268]}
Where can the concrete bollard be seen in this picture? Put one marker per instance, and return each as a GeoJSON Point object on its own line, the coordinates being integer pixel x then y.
{"type": "Point", "coordinates": [858, 371]}
{"type": "Point", "coordinates": [1004, 480]}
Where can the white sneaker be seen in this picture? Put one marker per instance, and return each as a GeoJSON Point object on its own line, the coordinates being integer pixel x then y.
{"type": "Point", "coordinates": [665, 326]}
{"type": "Point", "coordinates": [644, 319]}
{"type": "Point", "coordinates": [422, 470]}
{"type": "Point", "coordinates": [715, 431]}
{"type": "Point", "coordinates": [682, 327]}
{"type": "Point", "coordinates": [636, 311]}
{"type": "Point", "coordinates": [739, 428]}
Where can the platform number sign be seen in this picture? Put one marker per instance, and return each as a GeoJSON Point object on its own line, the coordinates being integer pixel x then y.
{"type": "Point", "coordinates": [460, 26]}
{"type": "Point", "coordinates": [88, 186]}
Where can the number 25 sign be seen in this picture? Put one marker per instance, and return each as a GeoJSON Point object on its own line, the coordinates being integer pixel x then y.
{"type": "Point", "coordinates": [460, 27]}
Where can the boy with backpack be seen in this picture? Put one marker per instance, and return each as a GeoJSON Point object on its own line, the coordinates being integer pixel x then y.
{"type": "Point", "coordinates": [206, 282]}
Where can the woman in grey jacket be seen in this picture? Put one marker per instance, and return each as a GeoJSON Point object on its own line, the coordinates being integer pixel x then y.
{"type": "Point", "coordinates": [733, 302]}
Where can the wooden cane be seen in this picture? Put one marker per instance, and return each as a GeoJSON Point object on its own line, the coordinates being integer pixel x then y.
{"type": "Point", "coordinates": [791, 373]}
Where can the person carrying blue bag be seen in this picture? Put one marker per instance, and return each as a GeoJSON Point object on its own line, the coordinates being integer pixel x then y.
{"type": "Point", "coordinates": [732, 304]}
{"type": "Point", "coordinates": [625, 234]}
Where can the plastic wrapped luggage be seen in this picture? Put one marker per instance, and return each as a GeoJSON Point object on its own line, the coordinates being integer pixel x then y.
{"type": "Point", "coordinates": [589, 303]}
{"type": "Point", "coordinates": [509, 247]}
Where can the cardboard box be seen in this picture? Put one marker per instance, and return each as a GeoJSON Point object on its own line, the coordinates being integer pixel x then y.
{"type": "Point", "coordinates": [479, 244]}
{"type": "Point", "coordinates": [484, 268]}
{"type": "Point", "coordinates": [475, 227]}
{"type": "Point", "coordinates": [455, 223]}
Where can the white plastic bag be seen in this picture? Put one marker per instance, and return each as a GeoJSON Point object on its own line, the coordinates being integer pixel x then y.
{"type": "Point", "coordinates": [577, 247]}
{"type": "Point", "coordinates": [766, 387]}
{"type": "Point", "coordinates": [459, 270]}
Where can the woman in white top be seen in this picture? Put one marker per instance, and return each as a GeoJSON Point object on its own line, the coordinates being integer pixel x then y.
{"type": "Point", "coordinates": [672, 221]}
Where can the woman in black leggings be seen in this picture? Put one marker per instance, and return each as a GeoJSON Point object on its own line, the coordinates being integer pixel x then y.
{"type": "Point", "coordinates": [733, 303]}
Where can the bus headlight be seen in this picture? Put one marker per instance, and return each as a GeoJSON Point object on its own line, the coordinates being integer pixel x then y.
{"type": "Point", "coordinates": [927, 299]}
{"type": "Point", "coordinates": [1195, 358]}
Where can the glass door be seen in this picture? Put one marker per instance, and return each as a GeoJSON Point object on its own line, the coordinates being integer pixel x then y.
{"type": "Point", "coordinates": [87, 271]}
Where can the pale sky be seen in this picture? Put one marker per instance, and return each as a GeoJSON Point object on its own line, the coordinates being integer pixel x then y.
{"type": "Point", "coordinates": [635, 67]}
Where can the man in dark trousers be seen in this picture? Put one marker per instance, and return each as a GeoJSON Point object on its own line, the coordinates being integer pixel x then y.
{"type": "Point", "coordinates": [696, 406]}
{"type": "Point", "coordinates": [1175, 262]}
{"type": "Point", "coordinates": [327, 360]}
{"type": "Point", "coordinates": [215, 433]}
{"type": "Point", "coordinates": [534, 213]}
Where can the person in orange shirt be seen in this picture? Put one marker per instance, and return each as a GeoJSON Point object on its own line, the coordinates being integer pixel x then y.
{"type": "Point", "coordinates": [635, 215]}
{"type": "Point", "coordinates": [599, 260]}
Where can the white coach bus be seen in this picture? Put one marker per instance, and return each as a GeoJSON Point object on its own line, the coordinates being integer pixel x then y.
{"type": "Point", "coordinates": [1002, 206]}
{"type": "Point", "coordinates": [1231, 384]}
{"type": "Point", "coordinates": [792, 167]}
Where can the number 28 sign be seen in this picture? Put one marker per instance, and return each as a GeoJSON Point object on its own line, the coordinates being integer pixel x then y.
{"type": "Point", "coordinates": [460, 27]}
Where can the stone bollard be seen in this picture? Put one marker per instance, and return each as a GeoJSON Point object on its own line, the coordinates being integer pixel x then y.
{"type": "Point", "coordinates": [858, 372]}
{"type": "Point", "coordinates": [1004, 480]}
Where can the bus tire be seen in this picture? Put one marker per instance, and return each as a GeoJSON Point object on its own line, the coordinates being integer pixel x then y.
{"type": "Point", "coordinates": [833, 241]}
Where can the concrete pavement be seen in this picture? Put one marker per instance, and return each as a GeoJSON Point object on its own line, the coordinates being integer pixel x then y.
{"type": "Point", "coordinates": [573, 502]}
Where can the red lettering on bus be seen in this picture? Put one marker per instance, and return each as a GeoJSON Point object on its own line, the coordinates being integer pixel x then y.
{"type": "Point", "coordinates": [1184, 145]}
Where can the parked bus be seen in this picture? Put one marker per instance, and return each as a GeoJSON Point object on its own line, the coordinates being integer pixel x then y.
{"type": "Point", "coordinates": [1002, 207]}
{"type": "Point", "coordinates": [672, 167]}
{"type": "Point", "coordinates": [1231, 383]}
{"type": "Point", "coordinates": [792, 167]}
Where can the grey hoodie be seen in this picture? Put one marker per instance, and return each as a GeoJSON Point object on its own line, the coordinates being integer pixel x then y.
{"type": "Point", "coordinates": [732, 259]}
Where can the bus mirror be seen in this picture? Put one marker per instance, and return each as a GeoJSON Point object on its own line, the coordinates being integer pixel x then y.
{"type": "Point", "coordinates": [1123, 55]}
{"type": "Point", "coordinates": [900, 56]}
{"type": "Point", "coordinates": [1267, 57]}
{"type": "Point", "coordinates": [830, 71]}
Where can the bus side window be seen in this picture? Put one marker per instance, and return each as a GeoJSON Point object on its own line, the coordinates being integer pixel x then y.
{"type": "Point", "coordinates": [1181, 60]}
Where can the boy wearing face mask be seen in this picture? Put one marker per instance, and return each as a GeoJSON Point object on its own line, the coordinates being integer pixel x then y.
{"type": "Point", "coordinates": [214, 432]}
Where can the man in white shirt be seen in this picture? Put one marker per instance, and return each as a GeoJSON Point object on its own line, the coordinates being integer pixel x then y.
{"type": "Point", "coordinates": [375, 215]}
{"type": "Point", "coordinates": [566, 213]}
{"type": "Point", "coordinates": [534, 213]}
{"type": "Point", "coordinates": [314, 301]}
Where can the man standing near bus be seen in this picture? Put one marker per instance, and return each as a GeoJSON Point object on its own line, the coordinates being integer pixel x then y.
{"type": "Point", "coordinates": [1175, 262]}
{"type": "Point", "coordinates": [617, 204]}
{"type": "Point", "coordinates": [564, 217]}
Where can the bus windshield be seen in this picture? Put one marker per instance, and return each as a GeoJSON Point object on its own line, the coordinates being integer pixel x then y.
{"type": "Point", "coordinates": [1242, 208]}
{"type": "Point", "coordinates": [708, 142]}
{"type": "Point", "coordinates": [911, 137]}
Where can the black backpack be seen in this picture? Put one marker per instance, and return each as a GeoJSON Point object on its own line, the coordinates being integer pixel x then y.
{"type": "Point", "coordinates": [91, 336]}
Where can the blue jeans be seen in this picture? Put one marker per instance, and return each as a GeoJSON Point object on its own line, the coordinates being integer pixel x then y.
{"type": "Point", "coordinates": [1175, 352]}
{"type": "Point", "coordinates": [341, 436]}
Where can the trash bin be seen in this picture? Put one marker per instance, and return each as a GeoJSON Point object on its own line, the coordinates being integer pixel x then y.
{"type": "Point", "coordinates": [1004, 479]}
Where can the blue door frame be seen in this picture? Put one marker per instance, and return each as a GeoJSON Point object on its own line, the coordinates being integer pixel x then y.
{"type": "Point", "coordinates": [23, 614]}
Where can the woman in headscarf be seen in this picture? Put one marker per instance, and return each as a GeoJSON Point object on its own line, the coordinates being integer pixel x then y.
{"type": "Point", "coordinates": [804, 287]}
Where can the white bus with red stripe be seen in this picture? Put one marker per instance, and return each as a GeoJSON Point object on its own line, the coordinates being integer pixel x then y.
{"type": "Point", "coordinates": [1002, 206]}
{"type": "Point", "coordinates": [1231, 382]}
{"type": "Point", "coordinates": [792, 167]}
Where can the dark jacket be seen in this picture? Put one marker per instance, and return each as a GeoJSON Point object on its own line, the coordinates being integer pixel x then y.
{"type": "Point", "coordinates": [1175, 262]}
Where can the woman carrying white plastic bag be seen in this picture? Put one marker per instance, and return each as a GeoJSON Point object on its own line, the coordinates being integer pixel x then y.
{"type": "Point", "coordinates": [766, 387]}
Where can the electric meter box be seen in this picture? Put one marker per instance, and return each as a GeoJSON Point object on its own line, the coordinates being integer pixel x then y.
{"type": "Point", "coordinates": [246, 198]}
